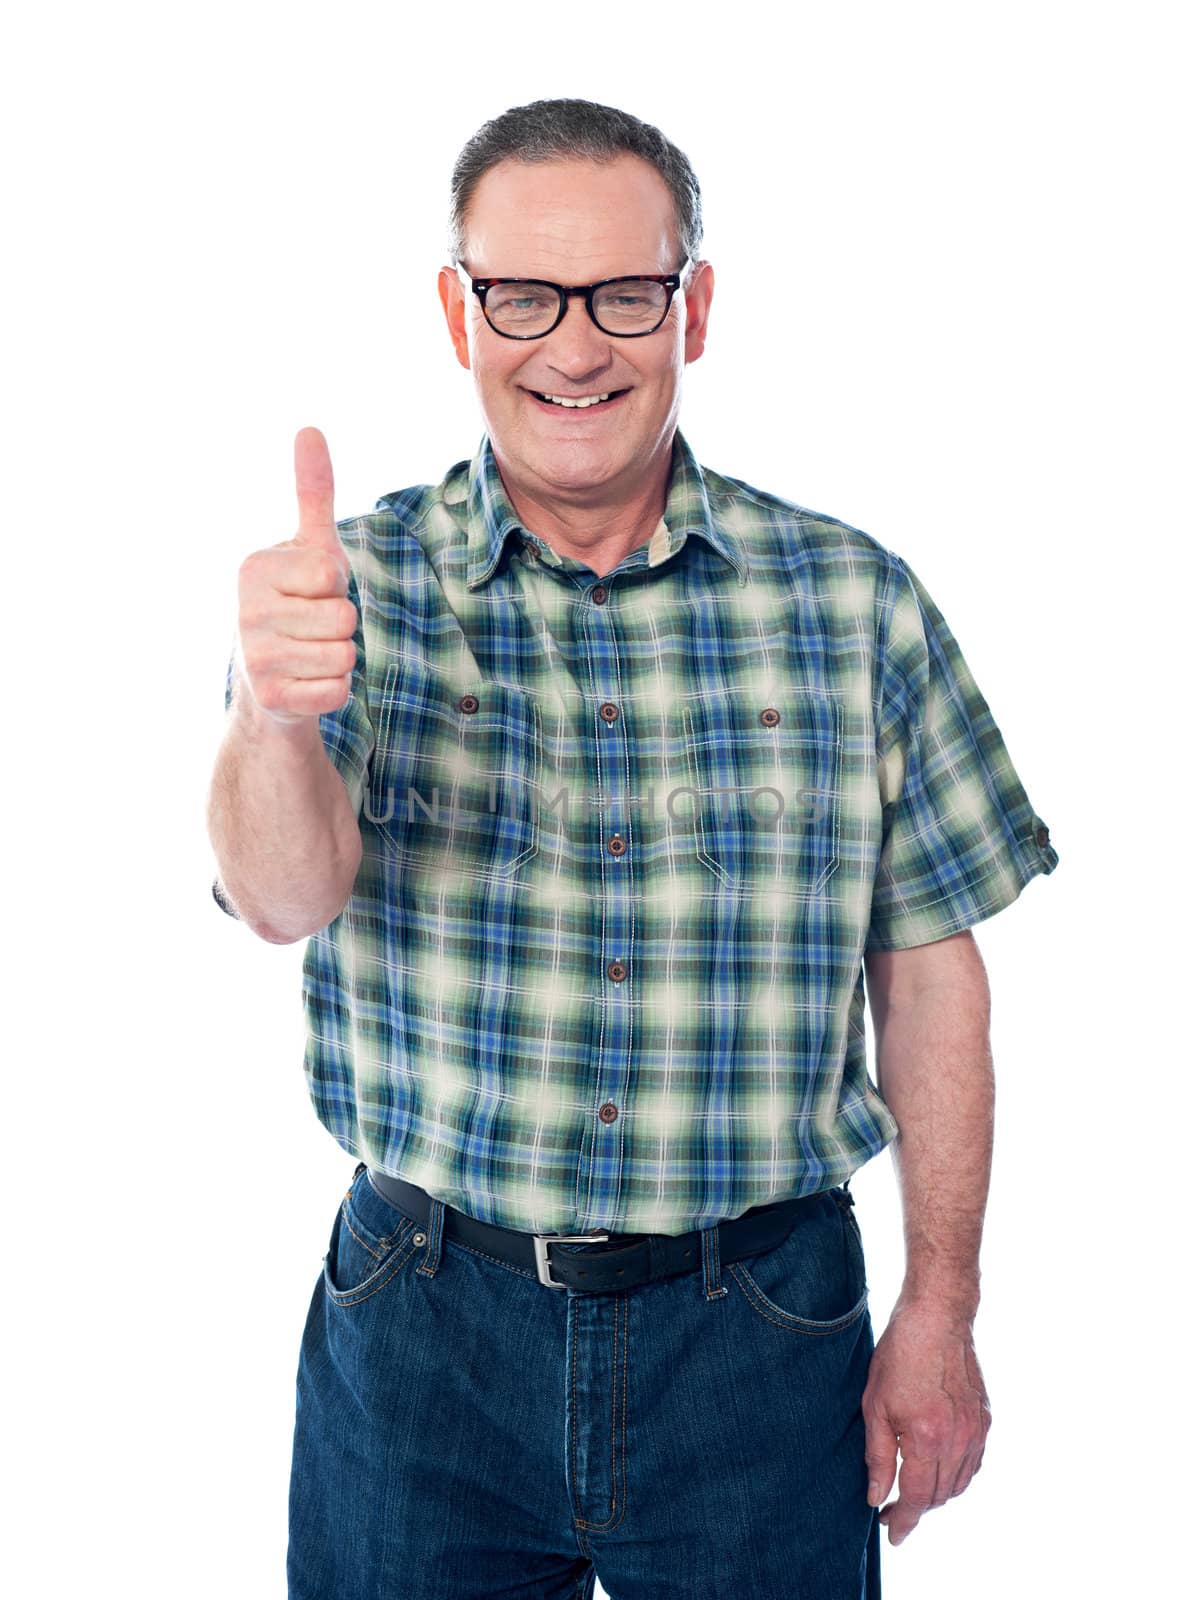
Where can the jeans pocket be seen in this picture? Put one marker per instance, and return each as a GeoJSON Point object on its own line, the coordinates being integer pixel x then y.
{"type": "Point", "coordinates": [814, 1281]}
{"type": "Point", "coordinates": [369, 1245]}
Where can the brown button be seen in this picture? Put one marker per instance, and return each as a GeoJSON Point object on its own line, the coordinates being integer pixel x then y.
{"type": "Point", "coordinates": [598, 594]}
{"type": "Point", "coordinates": [608, 711]}
{"type": "Point", "coordinates": [1042, 836]}
{"type": "Point", "coordinates": [469, 703]}
{"type": "Point", "coordinates": [608, 1112]}
{"type": "Point", "coordinates": [616, 845]}
{"type": "Point", "coordinates": [617, 971]}
{"type": "Point", "coordinates": [769, 717]}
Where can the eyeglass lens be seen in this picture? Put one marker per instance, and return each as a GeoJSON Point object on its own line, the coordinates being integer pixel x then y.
{"type": "Point", "coordinates": [629, 306]}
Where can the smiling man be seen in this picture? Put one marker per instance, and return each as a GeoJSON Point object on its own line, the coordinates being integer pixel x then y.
{"type": "Point", "coordinates": [580, 395]}
{"type": "Point", "coordinates": [601, 784]}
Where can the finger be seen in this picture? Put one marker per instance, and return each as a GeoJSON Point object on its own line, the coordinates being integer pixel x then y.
{"type": "Point", "coordinates": [315, 490]}
{"type": "Point", "coordinates": [285, 660]}
{"type": "Point", "coordinates": [917, 1485]}
{"type": "Point", "coordinates": [971, 1464]}
{"type": "Point", "coordinates": [298, 618]}
{"type": "Point", "coordinates": [959, 1459]}
{"type": "Point", "coordinates": [309, 697]}
{"type": "Point", "coordinates": [292, 568]}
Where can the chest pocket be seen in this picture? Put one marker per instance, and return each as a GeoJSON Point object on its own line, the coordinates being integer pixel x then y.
{"type": "Point", "coordinates": [767, 779]}
{"type": "Point", "coordinates": [454, 775]}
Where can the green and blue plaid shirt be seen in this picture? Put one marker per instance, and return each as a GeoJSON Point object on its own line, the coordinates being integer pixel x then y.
{"type": "Point", "coordinates": [626, 841]}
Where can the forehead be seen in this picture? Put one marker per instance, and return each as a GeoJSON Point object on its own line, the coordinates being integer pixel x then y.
{"type": "Point", "coordinates": [549, 216]}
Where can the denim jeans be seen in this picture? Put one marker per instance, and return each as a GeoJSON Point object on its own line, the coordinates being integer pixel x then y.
{"type": "Point", "coordinates": [465, 1433]}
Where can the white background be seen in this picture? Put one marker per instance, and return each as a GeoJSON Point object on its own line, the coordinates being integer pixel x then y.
{"type": "Point", "coordinates": [944, 313]}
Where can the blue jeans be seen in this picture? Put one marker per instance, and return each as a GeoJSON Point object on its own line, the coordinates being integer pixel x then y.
{"type": "Point", "coordinates": [464, 1432]}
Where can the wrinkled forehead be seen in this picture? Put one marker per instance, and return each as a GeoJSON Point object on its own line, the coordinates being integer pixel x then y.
{"type": "Point", "coordinates": [551, 219]}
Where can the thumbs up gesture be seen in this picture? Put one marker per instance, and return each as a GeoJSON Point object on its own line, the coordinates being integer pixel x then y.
{"type": "Point", "coordinates": [295, 620]}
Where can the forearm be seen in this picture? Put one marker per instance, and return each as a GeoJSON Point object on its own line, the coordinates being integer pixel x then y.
{"type": "Point", "coordinates": [281, 824]}
{"type": "Point", "coordinates": [934, 1071]}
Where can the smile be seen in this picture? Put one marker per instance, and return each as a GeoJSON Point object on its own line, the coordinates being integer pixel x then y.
{"type": "Point", "coordinates": [588, 402]}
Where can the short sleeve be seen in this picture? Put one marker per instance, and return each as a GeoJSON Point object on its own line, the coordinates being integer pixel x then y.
{"type": "Point", "coordinates": [960, 836]}
{"type": "Point", "coordinates": [347, 733]}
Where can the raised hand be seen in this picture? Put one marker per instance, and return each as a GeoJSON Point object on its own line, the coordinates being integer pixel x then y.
{"type": "Point", "coordinates": [295, 620]}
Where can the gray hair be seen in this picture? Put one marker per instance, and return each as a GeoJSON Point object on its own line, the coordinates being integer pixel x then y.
{"type": "Point", "coordinates": [571, 130]}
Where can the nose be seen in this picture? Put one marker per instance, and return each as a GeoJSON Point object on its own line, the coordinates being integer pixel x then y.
{"type": "Point", "coordinates": [576, 348]}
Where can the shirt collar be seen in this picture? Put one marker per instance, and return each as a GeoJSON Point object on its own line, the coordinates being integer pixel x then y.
{"type": "Point", "coordinates": [491, 516]}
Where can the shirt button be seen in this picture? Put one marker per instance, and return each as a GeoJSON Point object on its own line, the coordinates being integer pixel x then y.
{"type": "Point", "coordinates": [1042, 836]}
{"type": "Point", "coordinates": [617, 971]}
{"type": "Point", "coordinates": [608, 1112]}
{"type": "Point", "coordinates": [616, 845]}
{"type": "Point", "coordinates": [598, 594]}
{"type": "Point", "coordinates": [608, 711]}
{"type": "Point", "coordinates": [468, 703]}
{"type": "Point", "coordinates": [769, 717]}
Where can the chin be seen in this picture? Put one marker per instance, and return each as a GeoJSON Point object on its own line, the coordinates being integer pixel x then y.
{"type": "Point", "coordinates": [561, 462]}
{"type": "Point", "coordinates": [576, 466]}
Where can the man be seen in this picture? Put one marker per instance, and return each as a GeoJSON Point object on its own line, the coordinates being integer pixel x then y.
{"type": "Point", "coordinates": [600, 783]}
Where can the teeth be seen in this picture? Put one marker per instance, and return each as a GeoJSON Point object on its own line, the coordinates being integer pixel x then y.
{"type": "Point", "coordinates": [590, 400]}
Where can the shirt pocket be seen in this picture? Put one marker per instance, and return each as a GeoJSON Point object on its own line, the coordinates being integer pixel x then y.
{"type": "Point", "coordinates": [766, 774]}
{"type": "Point", "coordinates": [454, 777]}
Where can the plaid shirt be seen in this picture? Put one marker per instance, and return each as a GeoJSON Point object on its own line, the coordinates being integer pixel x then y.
{"type": "Point", "coordinates": [626, 842]}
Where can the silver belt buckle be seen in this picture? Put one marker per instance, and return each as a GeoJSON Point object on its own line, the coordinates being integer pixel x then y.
{"type": "Point", "coordinates": [541, 1243]}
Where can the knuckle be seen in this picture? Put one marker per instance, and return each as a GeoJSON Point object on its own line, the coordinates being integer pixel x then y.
{"type": "Point", "coordinates": [254, 610]}
{"type": "Point", "coordinates": [253, 582]}
{"type": "Point", "coordinates": [326, 572]}
{"type": "Point", "coordinates": [252, 565]}
{"type": "Point", "coordinates": [928, 1433]}
{"type": "Point", "coordinates": [268, 693]}
{"type": "Point", "coordinates": [260, 654]}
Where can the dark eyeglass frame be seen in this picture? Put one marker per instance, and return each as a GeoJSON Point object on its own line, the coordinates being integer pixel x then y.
{"type": "Point", "coordinates": [670, 282]}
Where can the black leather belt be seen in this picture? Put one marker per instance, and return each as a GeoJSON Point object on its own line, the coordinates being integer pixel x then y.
{"type": "Point", "coordinates": [624, 1259]}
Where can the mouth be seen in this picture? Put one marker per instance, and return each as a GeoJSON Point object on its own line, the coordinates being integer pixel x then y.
{"type": "Point", "coordinates": [588, 405]}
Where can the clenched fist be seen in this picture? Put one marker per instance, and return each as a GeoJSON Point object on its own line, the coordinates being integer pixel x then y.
{"type": "Point", "coordinates": [295, 620]}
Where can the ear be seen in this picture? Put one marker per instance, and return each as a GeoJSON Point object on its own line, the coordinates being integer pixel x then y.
{"type": "Point", "coordinates": [698, 297]}
{"type": "Point", "coordinates": [450, 292]}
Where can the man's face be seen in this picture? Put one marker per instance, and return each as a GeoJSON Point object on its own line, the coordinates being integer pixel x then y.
{"type": "Point", "coordinates": [574, 223]}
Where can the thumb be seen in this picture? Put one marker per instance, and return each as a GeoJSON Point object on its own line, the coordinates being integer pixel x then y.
{"type": "Point", "coordinates": [880, 1457]}
{"type": "Point", "coordinates": [315, 491]}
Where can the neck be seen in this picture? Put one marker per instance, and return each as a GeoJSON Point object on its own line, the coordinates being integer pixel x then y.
{"type": "Point", "coordinates": [600, 533]}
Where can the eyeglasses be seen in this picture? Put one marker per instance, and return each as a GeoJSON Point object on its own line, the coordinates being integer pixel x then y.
{"type": "Point", "coordinates": [529, 308]}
